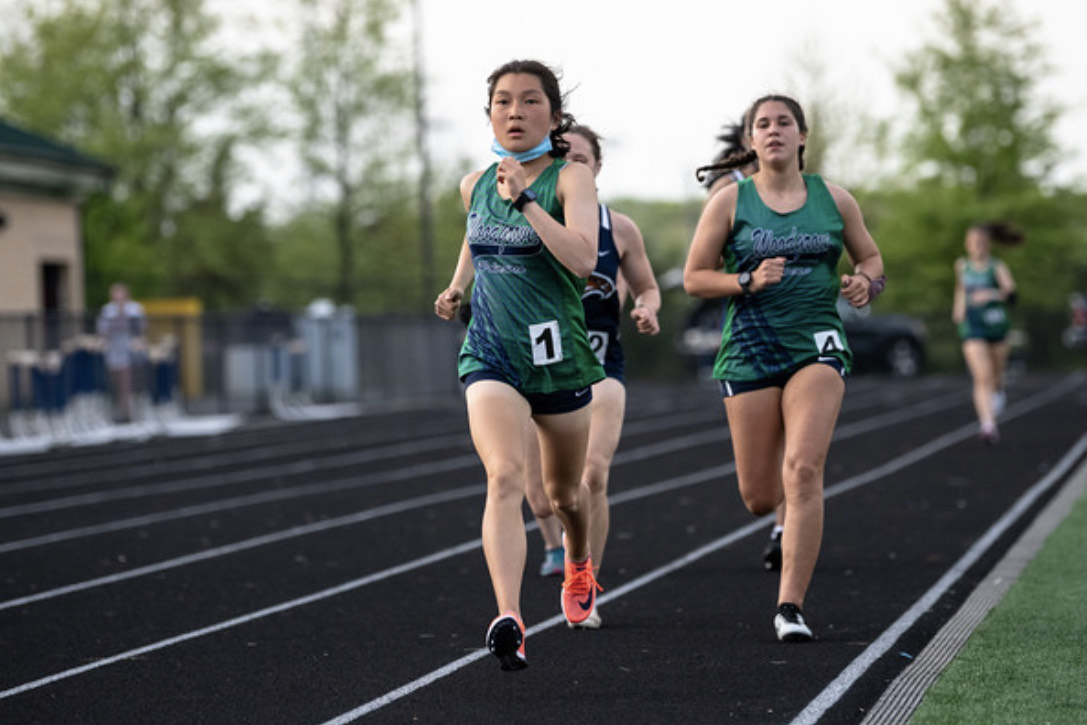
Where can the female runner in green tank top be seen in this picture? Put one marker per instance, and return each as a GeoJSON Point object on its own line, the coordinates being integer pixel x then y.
{"type": "Point", "coordinates": [783, 354]}
{"type": "Point", "coordinates": [531, 241]}
{"type": "Point", "coordinates": [984, 289]}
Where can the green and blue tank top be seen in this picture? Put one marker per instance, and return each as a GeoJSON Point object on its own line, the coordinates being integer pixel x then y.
{"type": "Point", "coordinates": [987, 321]}
{"type": "Point", "coordinates": [795, 321]}
{"type": "Point", "coordinates": [528, 324]}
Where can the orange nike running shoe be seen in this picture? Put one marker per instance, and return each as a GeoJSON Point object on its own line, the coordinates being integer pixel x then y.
{"type": "Point", "coordinates": [579, 591]}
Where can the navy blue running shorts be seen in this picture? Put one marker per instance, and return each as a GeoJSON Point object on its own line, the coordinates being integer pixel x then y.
{"type": "Point", "coordinates": [730, 388]}
{"type": "Point", "coordinates": [562, 401]}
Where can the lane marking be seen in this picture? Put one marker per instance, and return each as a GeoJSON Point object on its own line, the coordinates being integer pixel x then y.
{"type": "Point", "coordinates": [638, 454]}
{"type": "Point", "coordinates": [838, 687]}
{"type": "Point", "coordinates": [705, 475]}
{"type": "Point", "coordinates": [907, 459]}
{"type": "Point", "coordinates": [220, 479]}
{"type": "Point", "coordinates": [934, 446]}
{"type": "Point", "coordinates": [899, 701]}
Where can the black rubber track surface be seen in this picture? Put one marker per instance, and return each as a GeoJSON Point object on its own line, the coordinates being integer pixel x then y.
{"type": "Point", "coordinates": [331, 571]}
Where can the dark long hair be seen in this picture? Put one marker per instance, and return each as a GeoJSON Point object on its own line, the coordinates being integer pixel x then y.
{"type": "Point", "coordinates": [549, 80]}
{"type": "Point", "coordinates": [1000, 232]}
{"type": "Point", "coordinates": [732, 136]}
{"type": "Point", "coordinates": [743, 157]}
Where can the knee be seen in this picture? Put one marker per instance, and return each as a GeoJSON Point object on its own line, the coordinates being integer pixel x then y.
{"type": "Point", "coordinates": [760, 500]}
{"type": "Point", "coordinates": [540, 505]}
{"type": "Point", "coordinates": [595, 477]}
{"type": "Point", "coordinates": [568, 500]}
{"type": "Point", "coordinates": [505, 482]}
{"type": "Point", "coordinates": [804, 477]}
{"type": "Point", "coordinates": [761, 505]}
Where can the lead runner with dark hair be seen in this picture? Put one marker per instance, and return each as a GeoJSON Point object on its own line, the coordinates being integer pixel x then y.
{"type": "Point", "coordinates": [531, 241]}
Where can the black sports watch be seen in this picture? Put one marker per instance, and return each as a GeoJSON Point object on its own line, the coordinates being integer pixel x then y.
{"type": "Point", "coordinates": [526, 196]}
{"type": "Point", "coordinates": [745, 282]}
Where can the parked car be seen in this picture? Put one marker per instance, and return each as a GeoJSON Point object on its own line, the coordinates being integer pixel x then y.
{"type": "Point", "coordinates": [891, 344]}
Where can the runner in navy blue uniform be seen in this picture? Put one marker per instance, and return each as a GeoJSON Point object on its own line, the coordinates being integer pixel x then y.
{"type": "Point", "coordinates": [531, 241]}
{"type": "Point", "coordinates": [984, 289]}
{"type": "Point", "coordinates": [783, 354]}
{"type": "Point", "coordinates": [622, 269]}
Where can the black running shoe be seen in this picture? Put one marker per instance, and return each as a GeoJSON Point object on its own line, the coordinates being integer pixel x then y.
{"type": "Point", "coordinates": [789, 624]}
{"type": "Point", "coordinates": [506, 641]}
{"type": "Point", "coordinates": [771, 555]}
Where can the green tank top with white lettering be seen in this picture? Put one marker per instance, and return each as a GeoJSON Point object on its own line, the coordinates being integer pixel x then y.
{"type": "Point", "coordinates": [528, 323]}
{"type": "Point", "coordinates": [795, 321]}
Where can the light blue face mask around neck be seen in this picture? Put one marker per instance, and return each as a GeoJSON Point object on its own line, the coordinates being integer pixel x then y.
{"type": "Point", "coordinates": [534, 153]}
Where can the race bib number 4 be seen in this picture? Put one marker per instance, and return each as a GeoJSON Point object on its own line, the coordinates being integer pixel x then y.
{"type": "Point", "coordinates": [994, 316]}
{"type": "Point", "coordinates": [828, 342]}
{"type": "Point", "coordinates": [546, 342]}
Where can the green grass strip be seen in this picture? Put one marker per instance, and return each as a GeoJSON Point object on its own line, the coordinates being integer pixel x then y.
{"type": "Point", "coordinates": [1026, 664]}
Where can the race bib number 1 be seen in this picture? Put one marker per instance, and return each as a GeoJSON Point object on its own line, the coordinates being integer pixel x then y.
{"type": "Point", "coordinates": [546, 342]}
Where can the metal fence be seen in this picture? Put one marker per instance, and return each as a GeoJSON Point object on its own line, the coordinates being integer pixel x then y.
{"type": "Point", "coordinates": [54, 381]}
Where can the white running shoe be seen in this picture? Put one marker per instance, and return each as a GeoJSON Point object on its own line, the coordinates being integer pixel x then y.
{"type": "Point", "coordinates": [789, 624]}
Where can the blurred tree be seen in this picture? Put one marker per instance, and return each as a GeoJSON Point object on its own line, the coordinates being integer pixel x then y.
{"type": "Point", "coordinates": [352, 93]}
{"type": "Point", "coordinates": [979, 148]}
{"type": "Point", "coordinates": [980, 123]}
{"type": "Point", "coordinates": [140, 84]}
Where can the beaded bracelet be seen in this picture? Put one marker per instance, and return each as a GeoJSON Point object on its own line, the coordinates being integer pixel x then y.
{"type": "Point", "coordinates": [875, 286]}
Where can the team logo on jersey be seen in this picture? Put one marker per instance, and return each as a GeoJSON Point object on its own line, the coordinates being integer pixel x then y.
{"type": "Point", "coordinates": [598, 286]}
{"type": "Point", "coordinates": [487, 237]}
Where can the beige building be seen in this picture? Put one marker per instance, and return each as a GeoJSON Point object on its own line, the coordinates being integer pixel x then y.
{"type": "Point", "coordinates": [42, 188]}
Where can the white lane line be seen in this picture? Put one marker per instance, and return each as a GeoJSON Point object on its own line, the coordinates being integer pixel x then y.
{"type": "Point", "coordinates": [637, 454]}
{"type": "Point", "coordinates": [220, 479]}
{"type": "Point", "coordinates": [899, 701]}
{"type": "Point", "coordinates": [678, 482]}
{"type": "Point", "coordinates": [244, 619]}
{"type": "Point", "coordinates": [836, 689]}
{"type": "Point", "coordinates": [278, 536]}
{"type": "Point", "coordinates": [342, 484]}
{"type": "Point", "coordinates": [710, 474]}
{"type": "Point", "coordinates": [467, 460]}
{"type": "Point", "coordinates": [892, 466]}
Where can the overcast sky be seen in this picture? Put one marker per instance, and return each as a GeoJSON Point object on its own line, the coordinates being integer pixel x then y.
{"type": "Point", "coordinates": [658, 79]}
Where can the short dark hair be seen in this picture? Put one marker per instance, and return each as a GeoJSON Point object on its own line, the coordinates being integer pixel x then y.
{"type": "Point", "coordinates": [589, 135]}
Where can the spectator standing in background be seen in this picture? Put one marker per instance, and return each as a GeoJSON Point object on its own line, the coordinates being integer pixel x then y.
{"type": "Point", "coordinates": [122, 325]}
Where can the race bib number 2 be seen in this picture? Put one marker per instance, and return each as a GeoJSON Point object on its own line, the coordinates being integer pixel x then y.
{"type": "Point", "coordinates": [598, 341]}
{"type": "Point", "coordinates": [546, 342]}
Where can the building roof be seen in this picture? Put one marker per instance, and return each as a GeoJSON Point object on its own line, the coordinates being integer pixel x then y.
{"type": "Point", "coordinates": [28, 160]}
